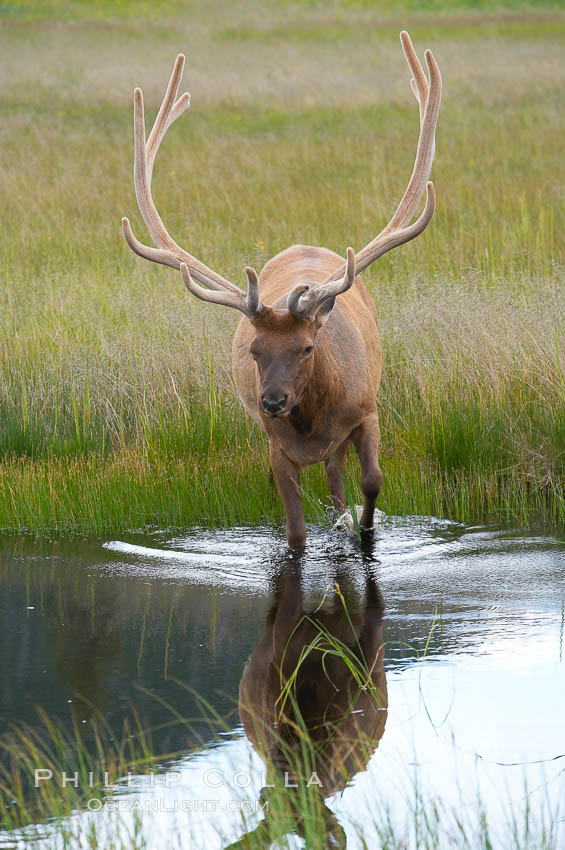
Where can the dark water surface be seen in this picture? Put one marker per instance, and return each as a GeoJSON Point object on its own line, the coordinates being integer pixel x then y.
{"type": "Point", "coordinates": [473, 631]}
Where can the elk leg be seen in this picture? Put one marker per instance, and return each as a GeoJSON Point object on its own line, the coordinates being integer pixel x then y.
{"type": "Point", "coordinates": [334, 473]}
{"type": "Point", "coordinates": [287, 476]}
{"type": "Point", "coordinates": [366, 440]}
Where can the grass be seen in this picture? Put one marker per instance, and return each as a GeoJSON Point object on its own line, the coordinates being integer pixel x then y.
{"type": "Point", "coordinates": [117, 407]}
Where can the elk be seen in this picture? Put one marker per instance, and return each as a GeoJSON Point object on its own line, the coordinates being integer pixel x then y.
{"type": "Point", "coordinates": [306, 356]}
{"type": "Point", "coordinates": [305, 707]}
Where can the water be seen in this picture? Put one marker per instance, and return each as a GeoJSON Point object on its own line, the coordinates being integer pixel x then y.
{"type": "Point", "coordinates": [472, 622]}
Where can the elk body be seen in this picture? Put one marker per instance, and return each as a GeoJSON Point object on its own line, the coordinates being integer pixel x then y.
{"type": "Point", "coordinates": [343, 707]}
{"type": "Point", "coordinates": [306, 356]}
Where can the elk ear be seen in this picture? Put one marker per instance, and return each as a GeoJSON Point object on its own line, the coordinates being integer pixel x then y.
{"type": "Point", "coordinates": [323, 313]}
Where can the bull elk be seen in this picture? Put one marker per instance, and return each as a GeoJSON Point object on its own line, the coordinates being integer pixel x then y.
{"type": "Point", "coordinates": [306, 356]}
{"type": "Point", "coordinates": [311, 711]}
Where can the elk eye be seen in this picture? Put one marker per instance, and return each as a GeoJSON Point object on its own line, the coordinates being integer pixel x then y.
{"type": "Point", "coordinates": [308, 350]}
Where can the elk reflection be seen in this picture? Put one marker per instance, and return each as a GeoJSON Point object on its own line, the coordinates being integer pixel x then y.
{"type": "Point", "coordinates": [313, 701]}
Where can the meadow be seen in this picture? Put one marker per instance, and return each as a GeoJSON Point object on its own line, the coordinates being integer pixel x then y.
{"type": "Point", "coordinates": [117, 407]}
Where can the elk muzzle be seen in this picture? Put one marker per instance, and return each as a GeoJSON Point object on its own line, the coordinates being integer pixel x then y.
{"type": "Point", "coordinates": [274, 403]}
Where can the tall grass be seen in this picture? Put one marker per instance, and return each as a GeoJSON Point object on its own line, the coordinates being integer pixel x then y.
{"type": "Point", "coordinates": [116, 402]}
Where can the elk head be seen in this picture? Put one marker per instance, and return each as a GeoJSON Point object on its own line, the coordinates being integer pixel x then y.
{"type": "Point", "coordinates": [284, 343]}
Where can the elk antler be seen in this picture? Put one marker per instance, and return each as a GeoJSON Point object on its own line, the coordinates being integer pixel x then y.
{"type": "Point", "coordinates": [167, 251]}
{"type": "Point", "coordinates": [249, 304]}
{"type": "Point", "coordinates": [305, 301]}
{"type": "Point", "coordinates": [398, 230]}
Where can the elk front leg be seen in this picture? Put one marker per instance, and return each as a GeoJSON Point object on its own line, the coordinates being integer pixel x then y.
{"type": "Point", "coordinates": [287, 476]}
{"type": "Point", "coordinates": [366, 440]}
{"type": "Point", "coordinates": [334, 473]}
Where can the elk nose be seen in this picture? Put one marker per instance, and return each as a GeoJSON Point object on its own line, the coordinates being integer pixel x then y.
{"type": "Point", "coordinates": [274, 405]}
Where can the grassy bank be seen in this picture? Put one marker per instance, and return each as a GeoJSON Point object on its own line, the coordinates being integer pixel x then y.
{"type": "Point", "coordinates": [117, 407]}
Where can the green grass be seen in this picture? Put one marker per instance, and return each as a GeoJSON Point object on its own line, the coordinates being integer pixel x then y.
{"type": "Point", "coordinates": [117, 407]}
{"type": "Point", "coordinates": [156, 9]}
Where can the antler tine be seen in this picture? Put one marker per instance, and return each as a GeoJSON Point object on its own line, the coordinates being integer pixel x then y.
{"type": "Point", "coordinates": [418, 83]}
{"type": "Point", "coordinates": [250, 305]}
{"type": "Point", "coordinates": [156, 255]}
{"type": "Point", "coordinates": [398, 230]}
{"type": "Point", "coordinates": [167, 251]}
{"type": "Point", "coordinates": [305, 301]}
{"type": "Point", "coordinates": [399, 236]}
{"type": "Point", "coordinates": [425, 151]}
{"type": "Point", "coordinates": [294, 297]}
{"type": "Point", "coordinates": [168, 113]}
{"type": "Point", "coordinates": [253, 301]}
